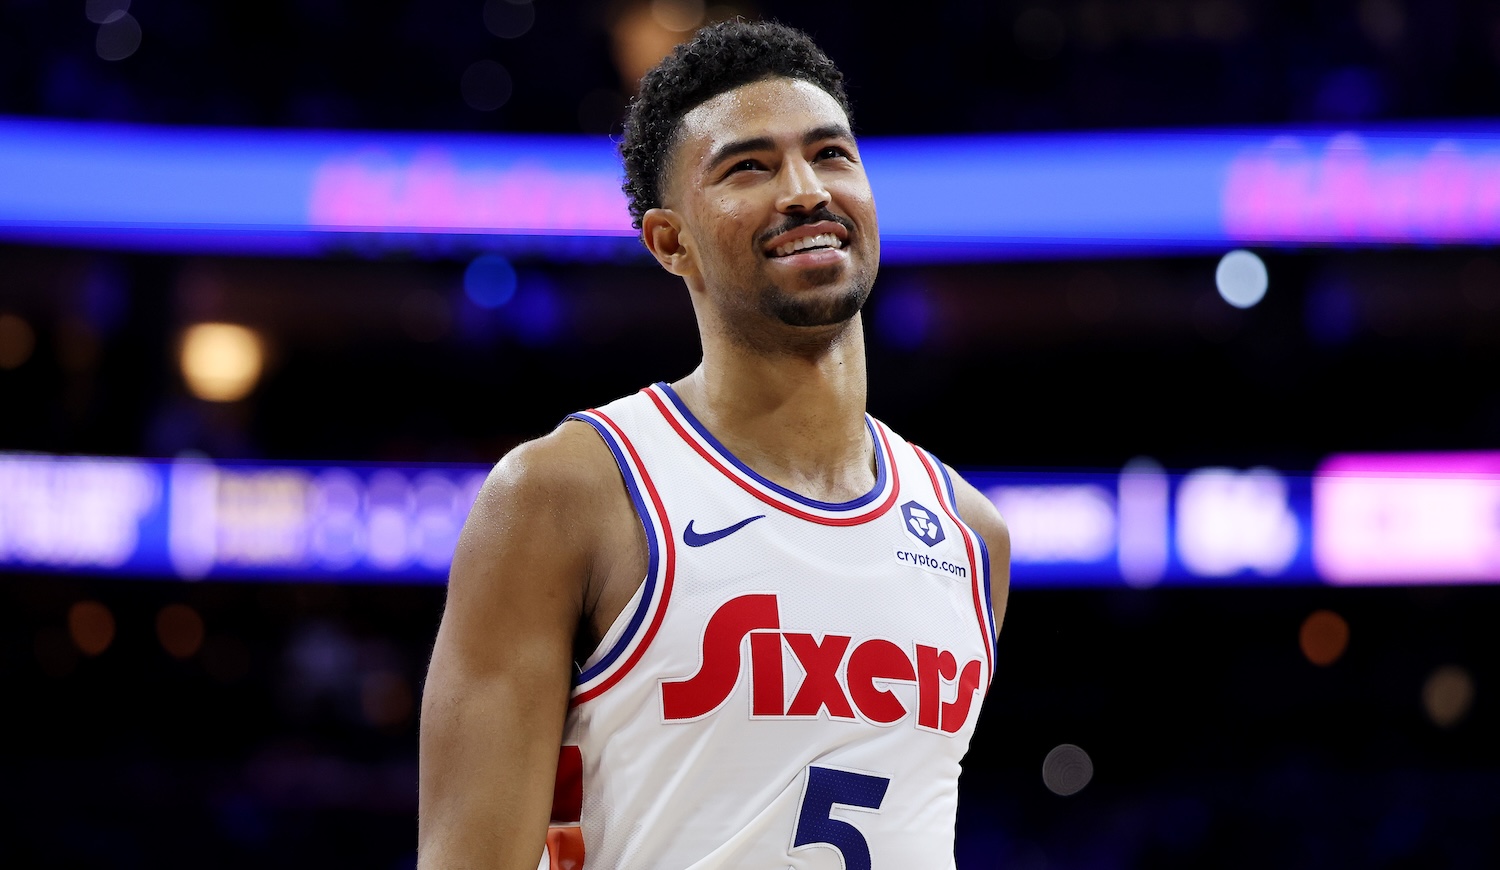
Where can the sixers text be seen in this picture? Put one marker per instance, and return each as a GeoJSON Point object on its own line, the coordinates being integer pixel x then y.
{"type": "Point", "coordinates": [826, 686]}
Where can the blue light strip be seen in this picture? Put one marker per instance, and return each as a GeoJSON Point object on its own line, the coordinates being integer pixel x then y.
{"type": "Point", "coordinates": [195, 518]}
{"type": "Point", "coordinates": [940, 198]}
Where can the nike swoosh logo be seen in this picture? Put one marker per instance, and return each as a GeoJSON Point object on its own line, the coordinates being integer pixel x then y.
{"type": "Point", "coordinates": [698, 539]}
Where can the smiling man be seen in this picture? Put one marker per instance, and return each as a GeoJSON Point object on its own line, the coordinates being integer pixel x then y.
{"type": "Point", "coordinates": [785, 614]}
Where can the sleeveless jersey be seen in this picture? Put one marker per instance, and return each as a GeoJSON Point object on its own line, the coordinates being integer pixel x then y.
{"type": "Point", "coordinates": [794, 683]}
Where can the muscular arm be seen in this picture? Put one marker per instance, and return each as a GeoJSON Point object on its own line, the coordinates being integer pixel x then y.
{"type": "Point", "coordinates": [980, 514]}
{"type": "Point", "coordinates": [497, 690]}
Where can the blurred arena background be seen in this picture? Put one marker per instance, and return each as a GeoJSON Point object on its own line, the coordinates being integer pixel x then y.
{"type": "Point", "coordinates": [1202, 292]}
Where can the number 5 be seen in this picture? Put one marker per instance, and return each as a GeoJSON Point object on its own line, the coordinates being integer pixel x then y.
{"type": "Point", "coordinates": [828, 787]}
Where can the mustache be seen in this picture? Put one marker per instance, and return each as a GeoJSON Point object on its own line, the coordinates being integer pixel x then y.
{"type": "Point", "coordinates": [804, 219]}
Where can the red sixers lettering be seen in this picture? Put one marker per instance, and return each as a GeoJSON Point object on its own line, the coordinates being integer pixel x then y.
{"type": "Point", "coordinates": [826, 688]}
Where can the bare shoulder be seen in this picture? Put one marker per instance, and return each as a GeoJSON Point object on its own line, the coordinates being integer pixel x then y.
{"type": "Point", "coordinates": [496, 694]}
{"type": "Point", "coordinates": [982, 516]}
{"type": "Point", "coordinates": [551, 474]}
{"type": "Point", "coordinates": [553, 526]}
{"type": "Point", "coordinates": [539, 522]}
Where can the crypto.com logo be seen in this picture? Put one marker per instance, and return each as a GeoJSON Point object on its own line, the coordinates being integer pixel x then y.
{"type": "Point", "coordinates": [922, 523]}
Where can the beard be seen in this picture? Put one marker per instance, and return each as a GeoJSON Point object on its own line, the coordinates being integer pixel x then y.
{"type": "Point", "coordinates": [818, 318]}
{"type": "Point", "coordinates": [812, 311]}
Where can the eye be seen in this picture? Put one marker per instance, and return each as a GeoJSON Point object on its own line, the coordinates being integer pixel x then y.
{"type": "Point", "coordinates": [742, 166]}
{"type": "Point", "coordinates": [828, 152]}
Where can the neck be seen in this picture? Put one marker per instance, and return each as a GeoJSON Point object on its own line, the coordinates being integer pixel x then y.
{"type": "Point", "coordinates": [795, 417]}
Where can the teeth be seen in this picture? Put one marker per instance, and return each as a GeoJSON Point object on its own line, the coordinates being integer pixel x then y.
{"type": "Point", "coordinates": [827, 240]}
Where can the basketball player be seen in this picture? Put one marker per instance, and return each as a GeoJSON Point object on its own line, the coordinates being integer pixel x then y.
{"type": "Point", "coordinates": [787, 613]}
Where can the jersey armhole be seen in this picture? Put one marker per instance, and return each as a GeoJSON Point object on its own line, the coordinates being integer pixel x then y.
{"type": "Point", "coordinates": [983, 595]}
{"type": "Point", "coordinates": [628, 635]}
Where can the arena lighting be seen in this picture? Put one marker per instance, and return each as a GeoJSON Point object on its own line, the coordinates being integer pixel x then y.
{"type": "Point", "coordinates": [221, 362]}
{"type": "Point", "coordinates": [17, 341]}
{"type": "Point", "coordinates": [91, 626]}
{"type": "Point", "coordinates": [984, 197]}
{"type": "Point", "coordinates": [1386, 518]}
{"type": "Point", "coordinates": [1447, 695]}
{"type": "Point", "coordinates": [1142, 526]}
{"type": "Point", "coordinates": [1241, 278]}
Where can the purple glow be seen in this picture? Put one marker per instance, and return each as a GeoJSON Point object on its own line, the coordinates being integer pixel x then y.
{"type": "Point", "coordinates": [1058, 522]}
{"type": "Point", "coordinates": [1144, 504]}
{"type": "Point", "coordinates": [374, 190]}
{"type": "Point", "coordinates": [1281, 192]}
{"type": "Point", "coordinates": [1390, 518]}
{"type": "Point", "coordinates": [1004, 197]}
{"type": "Point", "coordinates": [1230, 521]}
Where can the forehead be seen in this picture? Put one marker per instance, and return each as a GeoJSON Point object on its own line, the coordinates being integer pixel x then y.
{"type": "Point", "coordinates": [777, 108]}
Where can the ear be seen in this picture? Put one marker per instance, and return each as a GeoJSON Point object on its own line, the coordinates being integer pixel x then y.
{"type": "Point", "coordinates": [668, 241]}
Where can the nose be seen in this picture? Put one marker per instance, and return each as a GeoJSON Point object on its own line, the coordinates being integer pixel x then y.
{"type": "Point", "coordinates": [803, 190]}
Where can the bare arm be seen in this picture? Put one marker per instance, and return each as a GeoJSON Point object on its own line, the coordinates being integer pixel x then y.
{"type": "Point", "coordinates": [980, 514]}
{"type": "Point", "coordinates": [497, 690]}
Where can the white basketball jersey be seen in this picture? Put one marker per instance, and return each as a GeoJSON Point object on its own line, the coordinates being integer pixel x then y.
{"type": "Point", "coordinates": [795, 682]}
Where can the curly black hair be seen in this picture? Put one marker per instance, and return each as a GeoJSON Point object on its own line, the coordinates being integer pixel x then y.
{"type": "Point", "coordinates": [720, 58]}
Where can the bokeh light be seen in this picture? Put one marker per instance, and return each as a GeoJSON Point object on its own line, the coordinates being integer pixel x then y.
{"type": "Point", "coordinates": [509, 19]}
{"type": "Point", "coordinates": [638, 40]}
{"type": "Point", "coordinates": [105, 11]}
{"type": "Point", "coordinates": [490, 281]}
{"type": "Point", "coordinates": [1324, 637]}
{"type": "Point", "coordinates": [91, 627]}
{"type": "Point", "coordinates": [1447, 695]}
{"type": "Point", "coordinates": [1067, 769]}
{"type": "Point", "coordinates": [17, 341]}
{"type": "Point", "coordinates": [1383, 21]}
{"type": "Point", "coordinates": [221, 362]}
{"type": "Point", "coordinates": [1242, 278]}
{"type": "Point", "coordinates": [118, 39]}
{"type": "Point", "coordinates": [180, 630]}
{"type": "Point", "coordinates": [678, 16]}
{"type": "Point", "coordinates": [486, 85]}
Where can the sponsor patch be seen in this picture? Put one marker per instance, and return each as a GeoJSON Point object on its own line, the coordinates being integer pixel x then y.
{"type": "Point", "coordinates": [932, 564]}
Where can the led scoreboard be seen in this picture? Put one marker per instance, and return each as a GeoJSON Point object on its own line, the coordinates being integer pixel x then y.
{"type": "Point", "coordinates": [1358, 519]}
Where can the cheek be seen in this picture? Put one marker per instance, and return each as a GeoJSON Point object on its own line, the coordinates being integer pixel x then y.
{"type": "Point", "coordinates": [729, 223]}
{"type": "Point", "coordinates": [729, 212]}
{"type": "Point", "coordinates": [858, 201]}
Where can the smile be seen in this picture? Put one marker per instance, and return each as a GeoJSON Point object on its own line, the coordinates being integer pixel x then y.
{"type": "Point", "coordinates": [826, 240]}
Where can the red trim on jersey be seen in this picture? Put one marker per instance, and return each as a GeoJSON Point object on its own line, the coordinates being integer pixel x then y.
{"type": "Point", "coordinates": [952, 512]}
{"type": "Point", "coordinates": [775, 502]}
{"type": "Point", "coordinates": [669, 564]}
{"type": "Point", "coordinates": [567, 793]}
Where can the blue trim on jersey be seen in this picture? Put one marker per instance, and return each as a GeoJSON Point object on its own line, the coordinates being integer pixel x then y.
{"type": "Point", "coordinates": [992, 635]}
{"type": "Point", "coordinates": [880, 462]}
{"type": "Point", "coordinates": [989, 604]}
{"type": "Point", "coordinates": [636, 498]}
{"type": "Point", "coordinates": [947, 481]}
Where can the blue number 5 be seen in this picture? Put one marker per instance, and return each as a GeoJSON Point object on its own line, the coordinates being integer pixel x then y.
{"type": "Point", "coordinates": [816, 826]}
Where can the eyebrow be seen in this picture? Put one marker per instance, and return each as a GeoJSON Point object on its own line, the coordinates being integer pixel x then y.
{"type": "Point", "coordinates": [762, 143]}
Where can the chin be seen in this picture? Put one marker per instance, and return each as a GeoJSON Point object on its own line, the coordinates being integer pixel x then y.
{"type": "Point", "coordinates": [829, 308]}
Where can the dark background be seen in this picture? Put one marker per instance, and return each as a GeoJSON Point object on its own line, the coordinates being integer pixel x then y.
{"type": "Point", "coordinates": [288, 736]}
